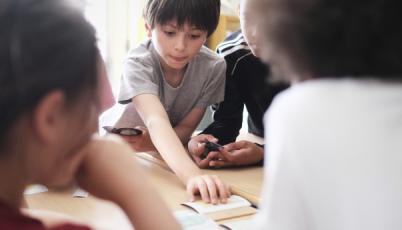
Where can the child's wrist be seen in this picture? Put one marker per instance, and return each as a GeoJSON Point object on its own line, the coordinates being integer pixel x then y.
{"type": "Point", "coordinates": [192, 175]}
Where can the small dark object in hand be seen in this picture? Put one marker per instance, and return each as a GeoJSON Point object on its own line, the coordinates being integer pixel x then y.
{"type": "Point", "coordinates": [123, 131]}
{"type": "Point", "coordinates": [209, 147]}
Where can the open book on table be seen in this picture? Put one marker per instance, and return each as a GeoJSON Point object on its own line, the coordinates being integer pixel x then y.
{"type": "Point", "coordinates": [235, 207]}
{"type": "Point", "coordinates": [190, 220]}
{"type": "Point", "coordinates": [238, 224]}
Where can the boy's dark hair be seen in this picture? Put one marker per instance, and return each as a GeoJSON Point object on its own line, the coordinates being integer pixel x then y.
{"type": "Point", "coordinates": [337, 38]}
{"type": "Point", "coordinates": [45, 45]}
{"type": "Point", "coordinates": [203, 14]}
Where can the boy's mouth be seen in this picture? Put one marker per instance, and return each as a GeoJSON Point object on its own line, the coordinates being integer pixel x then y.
{"type": "Point", "coordinates": [178, 59]}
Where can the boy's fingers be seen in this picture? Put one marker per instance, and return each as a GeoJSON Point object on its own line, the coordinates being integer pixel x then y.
{"type": "Point", "coordinates": [199, 149]}
{"type": "Point", "coordinates": [222, 189]}
{"type": "Point", "coordinates": [203, 138]}
{"type": "Point", "coordinates": [236, 145]}
{"type": "Point", "coordinates": [211, 138]}
{"type": "Point", "coordinates": [196, 160]}
{"type": "Point", "coordinates": [213, 155]}
{"type": "Point", "coordinates": [231, 146]}
{"type": "Point", "coordinates": [229, 190]}
{"type": "Point", "coordinates": [204, 163]}
{"type": "Point", "coordinates": [197, 143]}
{"type": "Point", "coordinates": [191, 189]}
{"type": "Point", "coordinates": [211, 189]}
{"type": "Point", "coordinates": [202, 188]}
{"type": "Point", "coordinates": [220, 164]}
{"type": "Point", "coordinates": [226, 155]}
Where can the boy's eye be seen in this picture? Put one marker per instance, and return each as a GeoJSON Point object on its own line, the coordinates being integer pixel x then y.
{"type": "Point", "coordinates": [195, 36]}
{"type": "Point", "coordinates": [169, 33]}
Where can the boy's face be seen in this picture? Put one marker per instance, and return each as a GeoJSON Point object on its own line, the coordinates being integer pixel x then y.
{"type": "Point", "coordinates": [176, 45]}
{"type": "Point", "coordinates": [249, 22]}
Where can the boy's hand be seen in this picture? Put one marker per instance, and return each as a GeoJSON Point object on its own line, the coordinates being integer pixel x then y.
{"type": "Point", "coordinates": [107, 172]}
{"type": "Point", "coordinates": [103, 165]}
{"type": "Point", "coordinates": [196, 147]}
{"type": "Point", "coordinates": [211, 188]}
{"type": "Point", "coordinates": [142, 142]}
{"type": "Point", "coordinates": [236, 154]}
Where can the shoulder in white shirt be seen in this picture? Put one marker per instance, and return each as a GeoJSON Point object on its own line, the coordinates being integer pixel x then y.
{"type": "Point", "coordinates": [334, 157]}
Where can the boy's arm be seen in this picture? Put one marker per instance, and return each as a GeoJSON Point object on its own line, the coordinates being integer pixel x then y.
{"type": "Point", "coordinates": [186, 127]}
{"type": "Point", "coordinates": [184, 130]}
{"type": "Point", "coordinates": [170, 147]}
{"type": "Point", "coordinates": [163, 136]}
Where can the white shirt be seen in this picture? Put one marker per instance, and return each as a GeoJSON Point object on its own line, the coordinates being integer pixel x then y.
{"type": "Point", "coordinates": [334, 157]}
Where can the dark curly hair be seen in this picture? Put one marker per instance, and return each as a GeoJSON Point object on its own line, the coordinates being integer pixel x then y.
{"type": "Point", "coordinates": [336, 38]}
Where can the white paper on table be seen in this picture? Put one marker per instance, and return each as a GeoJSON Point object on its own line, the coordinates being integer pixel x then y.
{"type": "Point", "coordinates": [238, 225]}
{"type": "Point", "coordinates": [80, 193]}
{"type": "Point", "coordinates": [190, 220]}
{"type": "Point", "coordinates": [204, 208]}
{"type": "Point", "coordinates": [34, 189]}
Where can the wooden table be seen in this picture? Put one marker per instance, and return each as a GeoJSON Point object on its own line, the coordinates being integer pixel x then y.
{"type": "Point", "coordinates": [90, 210]}
{"type": "Point", "coordinates": [244, 181]}
{"type": "Point", "coordinates": [106, 215]}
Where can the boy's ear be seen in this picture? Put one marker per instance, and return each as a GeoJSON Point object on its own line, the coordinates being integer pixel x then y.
{"type": "Point", "coordinates": [148, 29]}
{"type": "Point", "coordinates": [48, 115]}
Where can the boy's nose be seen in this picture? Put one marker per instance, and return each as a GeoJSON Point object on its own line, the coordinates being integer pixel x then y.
{"type": "Point", "coordinates": [180, 44]}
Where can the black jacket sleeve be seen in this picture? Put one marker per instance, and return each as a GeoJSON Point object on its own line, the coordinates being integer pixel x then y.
{"type": "Point", "coordinates": [228, 115]}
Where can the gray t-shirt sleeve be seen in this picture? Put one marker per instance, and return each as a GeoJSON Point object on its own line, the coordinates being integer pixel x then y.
{"type": "Point", "coordinates": [137, 79]}
{"type": "Point", "coordinates": [215, 89]}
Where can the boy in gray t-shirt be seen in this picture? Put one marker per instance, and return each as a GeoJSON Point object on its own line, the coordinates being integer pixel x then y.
{"type": "Point", "coordinates": [202, 84]}
{"type": "Point", "coordinates": [168, 82]}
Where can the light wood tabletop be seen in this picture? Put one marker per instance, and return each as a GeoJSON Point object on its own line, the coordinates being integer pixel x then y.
{"type": "Point", "coordinates": [244, 181]}
{"type": "Point", "coordinates": [106, 215]}
{"type": "Point", "coordinates": [90, 211]}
